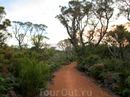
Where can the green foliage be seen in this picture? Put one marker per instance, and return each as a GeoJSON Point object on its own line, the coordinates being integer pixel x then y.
{"type": "Point", "coordinates": [126, 92]}
{"type": "Point", "coordinates": [37, 41]}
{"type": "Point", "coordinates": [88, 62]}
{"type": "Point", "coordinates": [119, 37]}
{"type": "Point", "coordinates": [5, 83]}
{"type": "Point", "coordinates": [124, 81]}
{"type": "Point", "coordinates": [128, 81]}
{"type": "Point", "coordinates": [91, 60]}
{"type": "Point", "coordinates": [32, 74]}
{"type": "Point", "coordinates": [102, 51]}
{"type": "Point", "coordinates": [5, 57]}
{"type": "Point", "coordinates": [84, 52]}
{"type": "Point", "coordinates": [103, 75]}
{"type": "Point", "coordinates": [54, 64]}
{"type": "Point", "coordinates": [95, 70]}
{"type": "Point", "coordinates": [80, 67]}
{"type": "Point", "coordinates": [8, 54]}
{"type": "Point", "coordinates": [31, 55]}
{"type": "Point", "coordinates": [51, 51]}
{"type": "Point", "coordinates": [3, 27]}
{"type": "Point", "coordinates": [113, 65]}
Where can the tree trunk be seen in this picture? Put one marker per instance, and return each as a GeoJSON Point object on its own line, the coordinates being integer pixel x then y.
{"type": "Point", "coordinates": [121, 52]}
{"type": "Point", "coordinates": [21, 48]}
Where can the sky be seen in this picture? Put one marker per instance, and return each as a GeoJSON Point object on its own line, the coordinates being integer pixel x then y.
{"type": "Point", "coordinates": [40, 12]}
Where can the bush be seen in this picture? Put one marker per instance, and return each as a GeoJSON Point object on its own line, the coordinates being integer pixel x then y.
{"type": "Point", "coordinates": [91, 60]}
{"type": "Point", "coordinates": [80, 67]}
{"type": "Point", "coordinates": [5, 57]}
{"type": "Point", "coordinates": [128, 81]}
{"type": "Point", "coordinates": [102, 51]}
{"type": "Point", "coordinates": [126, 92]}
{"type": "Point", "coordinates": [54, 64]}
{"type": "Point", "coordinates": [31, 55]}
{"type": "Point", "coordinates": [32, 75]}
{"type": "Point", "coordinates": [5, 83]}
{"type": "Point", "coordinates": [124, 81]}
{"type": "Point", "coordinates": [95, 70]}
{"type": "Point", "coordinates": [113, 65]}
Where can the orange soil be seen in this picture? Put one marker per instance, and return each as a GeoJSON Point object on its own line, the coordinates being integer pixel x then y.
{"type": "Point", "coordinates": [68, 82]}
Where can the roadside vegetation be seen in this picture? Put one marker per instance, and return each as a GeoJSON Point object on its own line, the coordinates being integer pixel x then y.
{"type": "Point", "coordinates": [25, 71]}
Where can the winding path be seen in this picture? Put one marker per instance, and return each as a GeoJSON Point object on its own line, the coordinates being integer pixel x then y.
{"type": "Point", "coordinates": [69, 82]}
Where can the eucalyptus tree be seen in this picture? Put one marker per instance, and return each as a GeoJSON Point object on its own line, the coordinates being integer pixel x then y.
{"type": "Point", "coordinates": [103, 11]}
{"type": "Point", "coordinates": [2, 13]}
{"type": "Point", "coordinates": [120, 38]}
{"type": "Point", "coordinates": [81, 15]}
{"type": "Point", "coordinates": [3, 27]}
{"type": "Point", "coordinates": [38, 35]}
{"type": "Point", "coordinates": [63, 44]}
{"type": "Point", "coordinates": [66, 46]}
{"type": "Point", "coordinates": [74, 18]}
{"type": "Point", "coordinates": [124, 7]}
{"type": "Point", "coordinates": [20, 30]}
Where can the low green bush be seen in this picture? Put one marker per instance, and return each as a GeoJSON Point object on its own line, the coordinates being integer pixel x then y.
{"type": "Point", "coordinates": [102, 51]}
{"type": "Point", "coordinates": [124, 82]}
{"type": "Point", "coordinates": [31, 74]}
{"type": "Point", "coordinates": [113, 65]}
{"type": "Point", "coordinates": [80, 66]}
{"type": "Point", "coordinates": [91, 60]}
{"type": "Point", "coordinates": [128, 81]}
{"type": "Point", "coordinates": [31, 55]}
{"type": "Point", "coordinates": [5, 83]}
{"type": "Point", "coordinates": [95, 70]}
{"type": "Point", "coordinates": [126, 91]}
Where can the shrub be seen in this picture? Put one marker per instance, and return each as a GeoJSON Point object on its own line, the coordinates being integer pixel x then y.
{"type": "Point", "coordinates": [5, 83]}
{"type": "Point", "coordinates": [113, 65]}
{"type": "Point", "coordinates": [95, 70]}
{"type": "Point", "coordinates": [54, 64]}
{"type": "Point", "coordinates": [5, 57]}
{"type": "Point", "coordinates": [80, 66]}
{"type": "Point", "coordinates": [126, 92]}
{"type": "Point", "coordinates": [128, 81]}
{"type": "Point", "coordinates": [91, 60]}
{"type": "Point", "coordinates": [32, 75]}
{"type": "Point", "coordinates": [8, 54]}
{"type": "Point", "coordinates": [124, 82]}
{"type": "Point", "coordinates": [102, 51]}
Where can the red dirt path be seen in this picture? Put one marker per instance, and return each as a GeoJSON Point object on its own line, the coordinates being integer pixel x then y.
{"type": "Point", "coordinates": [69, 82]}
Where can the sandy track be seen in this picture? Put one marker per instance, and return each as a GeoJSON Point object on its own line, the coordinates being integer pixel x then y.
{"type": "Point", "coordinates": [69, 82]}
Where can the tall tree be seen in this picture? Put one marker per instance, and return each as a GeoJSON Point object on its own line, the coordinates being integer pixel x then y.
{"type": "Point", "coordinates": [37, 41]}
{"type": "Point", "coordinates": [2, 13]}
{"type": "Point", "coordinates": [81, 14]}
{"type": "Point", "coordinates": [75, 19]}
{"type": "Point", "coordinates": [66, 46]}
{"type": "Point", "coordinates": [38, 35]}
{"type": "Point", "coordinates": [119, 38]}
{"type": "Point", "coordinates": [3, 27]}
{"type": "Point", "coordinates": [124, 7]}
{"type": "Point", "coordinates": [103, 11]}
{"type": "Point", "coordinates": [63, 44]}
{"type": "Point", "coordinates": [20, 31]}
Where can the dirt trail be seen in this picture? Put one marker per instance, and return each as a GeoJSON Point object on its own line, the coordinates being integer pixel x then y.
{"type": "Point", "coordinates": [69, 82]}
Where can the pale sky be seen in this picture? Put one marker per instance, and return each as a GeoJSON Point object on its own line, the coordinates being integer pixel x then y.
{"type": "Point", "coordinates": [40, 12]}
